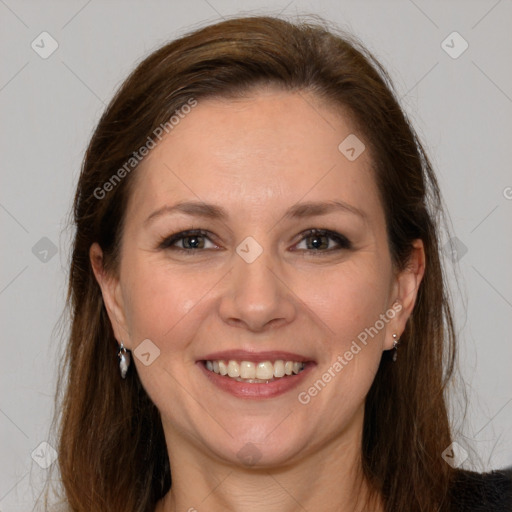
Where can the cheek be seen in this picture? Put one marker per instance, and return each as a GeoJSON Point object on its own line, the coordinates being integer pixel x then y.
{"type": "Point", "coordinates": [159, 300]}
{"type": "Point", "coordinates": [350, 305]}
{"type": "Point", "coordinates": [349, 299]}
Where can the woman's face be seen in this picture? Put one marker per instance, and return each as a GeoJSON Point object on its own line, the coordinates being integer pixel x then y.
{"type": "Point", "coordinates": [255, 286]}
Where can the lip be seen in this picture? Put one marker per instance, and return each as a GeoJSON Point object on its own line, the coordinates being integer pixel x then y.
{"type": "Point", "coordinates": [255, 357]}
{"type": "Point", "coordinates": [256, 391]}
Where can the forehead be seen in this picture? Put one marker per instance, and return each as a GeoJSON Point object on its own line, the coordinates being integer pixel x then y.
{"type": "Point", "coordinates": [267, 150]}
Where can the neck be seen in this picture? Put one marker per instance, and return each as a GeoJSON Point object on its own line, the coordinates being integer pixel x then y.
{"type": "Point", "coordinates": [328, 479]}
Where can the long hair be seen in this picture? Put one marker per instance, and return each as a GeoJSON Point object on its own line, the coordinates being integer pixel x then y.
{"type": "Point", "coordinates": [112, 451]}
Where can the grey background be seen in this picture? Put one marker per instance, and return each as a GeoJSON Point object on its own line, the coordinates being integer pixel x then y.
{"type": "Point", "coordinates": [461, 107]}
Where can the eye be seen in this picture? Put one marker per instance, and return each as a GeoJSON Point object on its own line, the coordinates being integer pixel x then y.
{"type": "Point", "coordinates": [189, 241]}
{"type": "Point", "coordinates": [313, 241]}
{"type": "Point", "coordinates": [320, 240]}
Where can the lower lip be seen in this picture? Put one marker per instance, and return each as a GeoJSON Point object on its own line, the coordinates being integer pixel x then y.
{"type": "Point", "coordinates": [256, 391]}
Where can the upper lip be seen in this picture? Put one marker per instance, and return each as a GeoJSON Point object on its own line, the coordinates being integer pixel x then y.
{"type": "Point", "coordinates": [244, 355]}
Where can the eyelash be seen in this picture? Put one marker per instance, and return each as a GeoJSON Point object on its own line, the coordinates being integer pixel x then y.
{"type": "Point", "coordinates": [342, 241]}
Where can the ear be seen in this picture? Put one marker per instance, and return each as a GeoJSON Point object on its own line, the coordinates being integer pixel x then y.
{"type": "Point", "coordinates": [405, 291]}
{"type": "Point", "coordinates": [112, 296]}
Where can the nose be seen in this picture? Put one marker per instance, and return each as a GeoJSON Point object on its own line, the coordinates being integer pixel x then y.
{"type": "Point", "coordinates": [256, 295]}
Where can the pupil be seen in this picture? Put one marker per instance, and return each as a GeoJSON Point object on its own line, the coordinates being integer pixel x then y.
{"type": "Point", "coordinates": [193, 241]}
{"type": "Point", "coordinates": [316, 242]}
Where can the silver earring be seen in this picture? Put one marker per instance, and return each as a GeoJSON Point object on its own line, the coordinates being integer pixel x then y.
{"type": "Point", "coordinates": [396, 341]}
{"type": "Point", "coordinates": [124, 360]}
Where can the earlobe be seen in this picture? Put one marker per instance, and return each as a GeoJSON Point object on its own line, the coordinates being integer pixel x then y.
{"type": "Point", "coordinates": [111, 292]}
{"type": "Point", "coordinates": [406, 289]}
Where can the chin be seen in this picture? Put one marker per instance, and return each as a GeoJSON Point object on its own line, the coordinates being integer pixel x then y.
{"type": "Point", "coordinates": [263, 451]}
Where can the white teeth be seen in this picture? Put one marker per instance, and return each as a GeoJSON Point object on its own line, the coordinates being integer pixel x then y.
{"type": "Point", "coordinates": [264, 370]}
{"type": "Point", "coordinates": [233, 369]}
{"type": "Point", "coordinates": [279, 369]}
{"type": "Point", "coordinates": [254, 381]}
{"type": "Point", "coordinates": [223, 368]}
{"type": "Point", "coordinates": [247, 371]}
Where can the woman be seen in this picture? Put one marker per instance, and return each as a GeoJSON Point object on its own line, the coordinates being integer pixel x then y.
{"type": "Point", "coordinates": [259, 317]}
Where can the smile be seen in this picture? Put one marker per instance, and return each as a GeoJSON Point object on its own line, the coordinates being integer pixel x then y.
{"type": "Point", "coordinates": [255, 372]}
{"type": "Point", "coordinates": [255, 376]}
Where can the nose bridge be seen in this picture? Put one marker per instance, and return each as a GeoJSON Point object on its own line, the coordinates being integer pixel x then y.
{"type": "Point", "coordinates": [254, 280]}
{"type": "Point", "coordinates": [256, 295]}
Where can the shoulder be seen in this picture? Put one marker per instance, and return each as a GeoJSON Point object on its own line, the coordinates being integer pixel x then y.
{"type": "Point", "coordinates": [482, 492]}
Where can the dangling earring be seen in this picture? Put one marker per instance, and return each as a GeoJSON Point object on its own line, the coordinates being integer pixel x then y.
{"type": "Point", "coordinates": [124, 360]}
{"type": "Point", "coordinates": [396, 341]}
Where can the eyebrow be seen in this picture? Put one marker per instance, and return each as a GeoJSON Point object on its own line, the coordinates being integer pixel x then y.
{"type": "Point", "coordinates": [297, 211]}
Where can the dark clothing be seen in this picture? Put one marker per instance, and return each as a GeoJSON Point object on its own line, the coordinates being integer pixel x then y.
{"type": "Point", "coordinates": [483, 492]}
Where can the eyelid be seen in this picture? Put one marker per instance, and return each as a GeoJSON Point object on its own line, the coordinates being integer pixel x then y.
{"type": "Point", "coordinates": [168, 241]}
{"type": "Point", "coordinates": [343, 243]}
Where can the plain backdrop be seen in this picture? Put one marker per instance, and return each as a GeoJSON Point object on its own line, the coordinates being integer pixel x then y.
{"type": "Point", "coordinates": [460, 104]}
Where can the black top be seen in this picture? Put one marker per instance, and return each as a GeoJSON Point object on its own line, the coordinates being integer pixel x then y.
{"type": "Point", "coordinates": [483, 492]}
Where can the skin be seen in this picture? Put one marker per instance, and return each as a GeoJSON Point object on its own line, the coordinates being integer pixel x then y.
{"type": "Point", "coordinates": [256, 157]}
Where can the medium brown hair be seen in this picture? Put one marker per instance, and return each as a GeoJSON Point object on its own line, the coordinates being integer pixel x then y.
{"type": "Point", "coordinates": [112, 451]}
